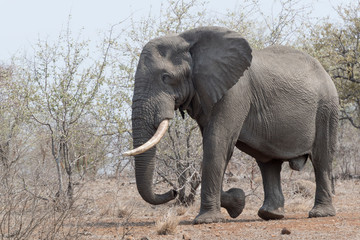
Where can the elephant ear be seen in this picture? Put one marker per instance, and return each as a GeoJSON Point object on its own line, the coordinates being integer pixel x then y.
{"type": "Point", "coordinates": [220, 57]}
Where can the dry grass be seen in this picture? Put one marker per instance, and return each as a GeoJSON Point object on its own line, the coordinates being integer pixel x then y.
{"type": "Point", "coordinates": [108, 210]}
{"type": "Point", "coordinates": [167, 224]}
{"type": "Point", "coordinates": [304, 188]}
{"type": "Point", "coordinates": [124, 212]}
{"type": "Point", "coordinates": [181, 210]}
{"type": "Point", "coordinates": [298, 205]}
{"type": "Point", "coordinates": [163, 221]}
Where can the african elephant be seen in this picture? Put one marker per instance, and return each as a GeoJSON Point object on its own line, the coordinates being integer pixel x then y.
{"type": "Point", "coordinates": [275, 104]}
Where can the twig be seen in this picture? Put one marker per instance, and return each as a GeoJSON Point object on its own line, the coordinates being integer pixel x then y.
{"type": "Point", "coordinates": [166, 179]}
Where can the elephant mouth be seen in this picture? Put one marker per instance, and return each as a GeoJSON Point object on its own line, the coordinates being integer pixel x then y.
{"type": "Point", "coordinates": [160, 132]}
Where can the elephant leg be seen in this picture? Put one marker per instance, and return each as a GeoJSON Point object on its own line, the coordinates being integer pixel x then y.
{"type": "Point", "coordinates": [212, 175]}
{"type": "Point", "coordinates": [323, 206]}
{"type": "Point", "coordinates": [232, 200]}
{"type": "Point", "coordinates": [322, 161]}
{"type": "Point", "coordinates": [273, 206]}
{"type": "Point", "coordinates": [217, 153]}
{"type": "Point", "coordinates": [219, 137]}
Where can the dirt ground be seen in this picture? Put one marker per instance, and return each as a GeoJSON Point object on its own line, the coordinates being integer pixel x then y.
{"type": "Point", "coordinates": [118, 212]}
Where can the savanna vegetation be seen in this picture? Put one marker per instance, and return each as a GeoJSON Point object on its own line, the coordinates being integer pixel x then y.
{"type": "Point", "coordinates": [65, 113]}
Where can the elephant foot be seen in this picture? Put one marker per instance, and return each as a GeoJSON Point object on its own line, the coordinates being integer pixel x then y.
{"type": "Point", "coordinates": [271, 214]}
{"type": "Point", "coordinates": [209, 217]}
{"type": "Point", "coordinates": [233, 201]}
{"type": "Point", "coordinates": [320, 210]}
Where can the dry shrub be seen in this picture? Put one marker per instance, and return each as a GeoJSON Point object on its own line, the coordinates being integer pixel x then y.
{"type": "Point", "coordinates": [124, 212]}
{"type": "Point", "coordinates": [304, 188]}
{"type": "Point", "coordinates": [300, 195]}
{"type": "Point", "coordinates": [167, 225]}
{"type": "Point", "coordinates": [31, 208]}
{"type": "Point", "coordinates": [25, 215]}
{"type": "Point", "coordinates": [180, 211]}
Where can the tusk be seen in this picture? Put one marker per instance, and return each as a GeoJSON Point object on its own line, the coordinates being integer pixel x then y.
{"type": "Point", "coordinates": [160, 132]}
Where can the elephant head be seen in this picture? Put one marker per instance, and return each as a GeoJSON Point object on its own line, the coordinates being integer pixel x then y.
{"type": "Point", "coordinates": [173, 72]}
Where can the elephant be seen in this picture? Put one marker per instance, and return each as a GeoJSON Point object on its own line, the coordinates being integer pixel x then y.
{"type": "Point", "coordinates": [277, 105]}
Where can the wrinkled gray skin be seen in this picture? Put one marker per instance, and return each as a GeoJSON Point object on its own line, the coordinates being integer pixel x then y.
{"type": "Point", "coordinates": [276, 104]}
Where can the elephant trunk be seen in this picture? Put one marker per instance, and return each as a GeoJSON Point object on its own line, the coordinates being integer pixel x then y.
{"type": "Point", "coordinates": [144, 170]}
{"type": "Point", "coordinates": [143, 132]}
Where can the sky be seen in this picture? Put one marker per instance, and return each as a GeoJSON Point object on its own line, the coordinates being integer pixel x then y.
{"type": "Point", "coordinates": [23, 22]}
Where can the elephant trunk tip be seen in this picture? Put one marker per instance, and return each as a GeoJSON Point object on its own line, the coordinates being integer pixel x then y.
{"type": "Point", "coordinates": [175, 193]}
{"type": "Point", "coordinates": [172, 194]}
{"type": "Point", "coordinates": [158, 199]}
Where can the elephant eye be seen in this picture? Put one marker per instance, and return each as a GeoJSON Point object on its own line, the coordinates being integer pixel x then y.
{"type": "Point", "coordinates": [167, 78]}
